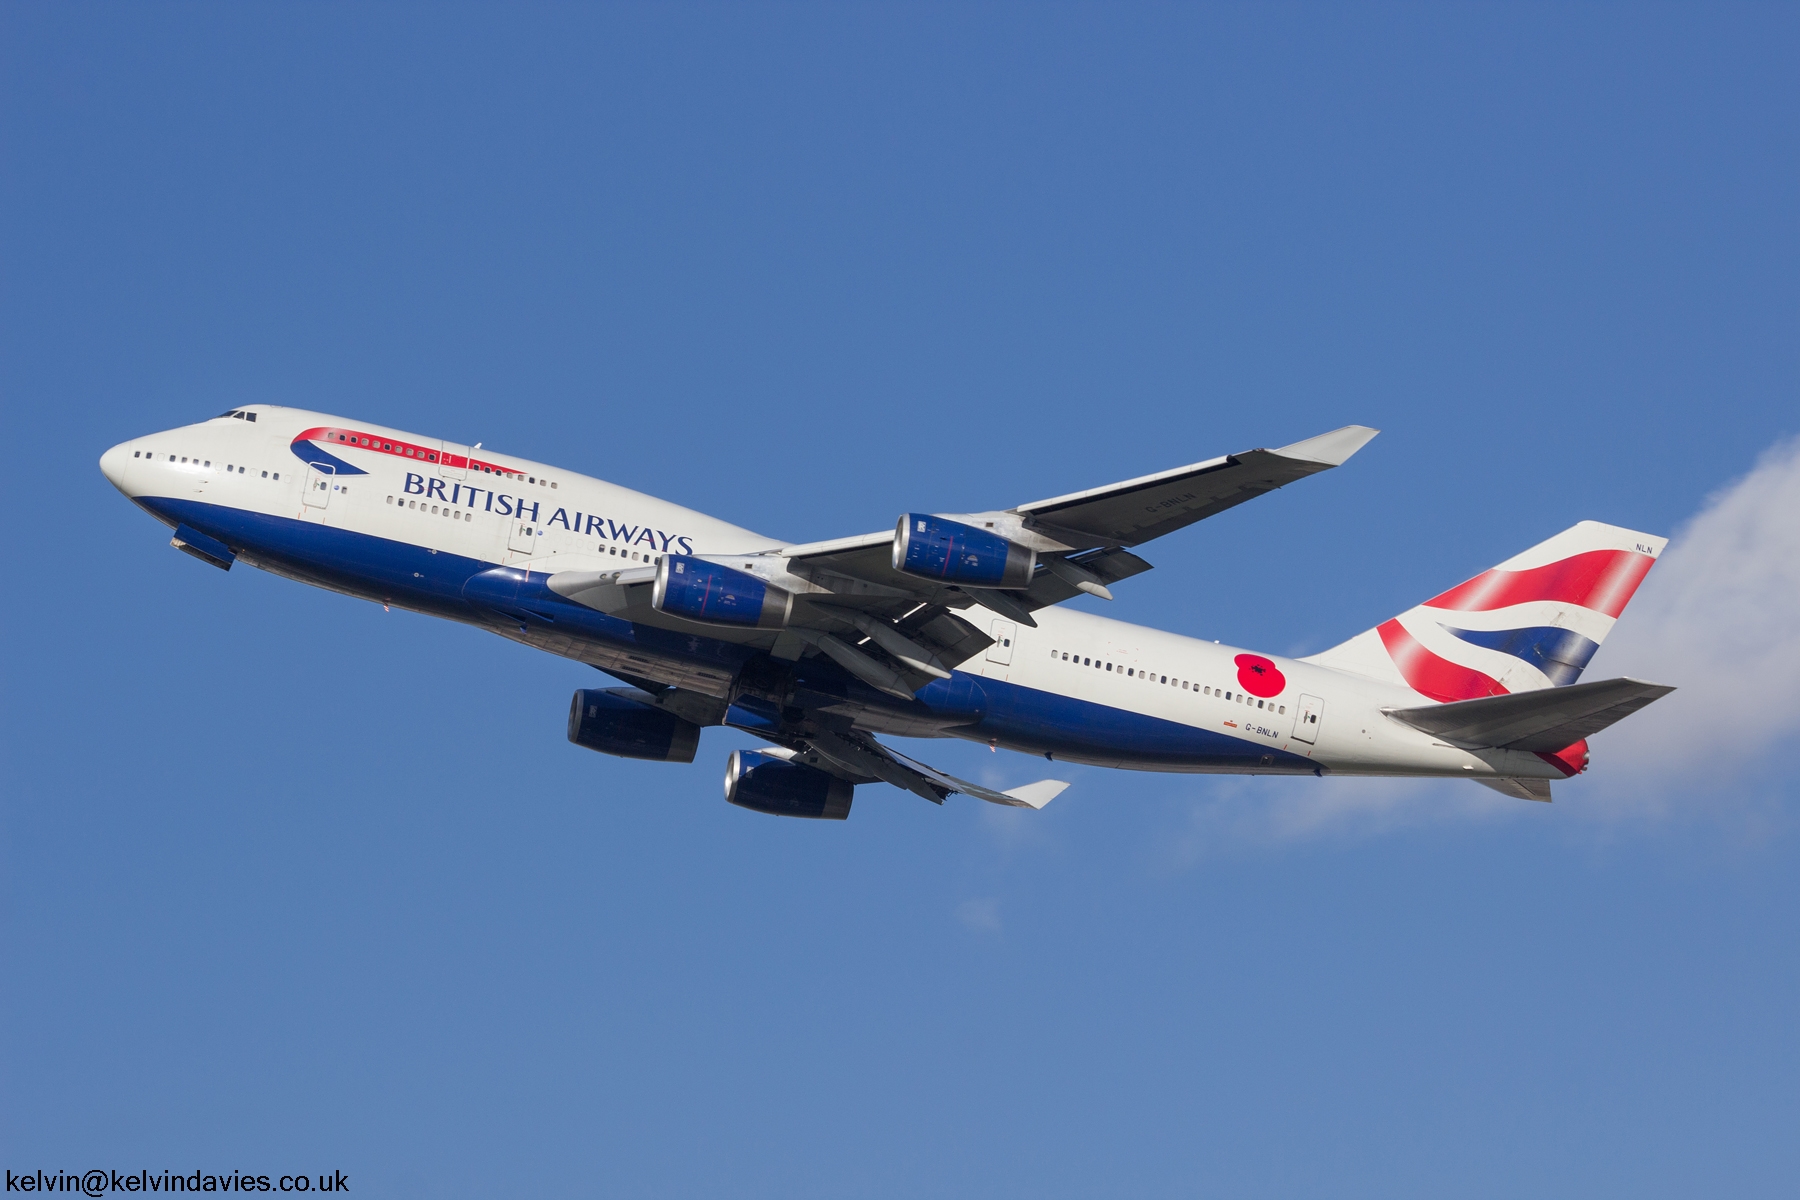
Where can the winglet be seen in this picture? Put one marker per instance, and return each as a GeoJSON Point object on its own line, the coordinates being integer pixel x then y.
{"type": "Point", "coordinates": [1333, 449]}
{"type": "Point", "coordinates": [1036, 795]}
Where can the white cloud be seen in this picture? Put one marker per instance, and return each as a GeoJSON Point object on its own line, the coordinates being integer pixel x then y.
{"type": "Point", "coordinates": [1718, 617]}
{"type": "Point", "coordinates": [981, 914]}
{"type": "Point", "coordinates": [1232, 812]}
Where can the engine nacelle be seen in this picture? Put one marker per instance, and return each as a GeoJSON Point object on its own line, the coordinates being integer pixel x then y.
{"type": "Point", "coordinates": [951, 552]}
{"type": "Point", "coordinates": [706, 591]}
{"type": "Point", "coordinates": [618, 721]}
{"type": "Point", "coordinates": [769, 784]}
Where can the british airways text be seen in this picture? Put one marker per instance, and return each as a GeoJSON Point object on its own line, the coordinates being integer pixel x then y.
{"type": "Point", "coordinates": [587, 525]}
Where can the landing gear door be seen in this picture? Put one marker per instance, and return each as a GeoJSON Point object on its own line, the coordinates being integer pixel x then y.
{"type": "Point", "coordinates": [317, 490]}
{"type": "Point", "coordinates": [1003, 633]}
{"type": "Point", "coordinates": [453, 461]}
{"type": "Point", "coordinates": [524, 537]}
{"type": "Point", "coordinates": [1306, 721]}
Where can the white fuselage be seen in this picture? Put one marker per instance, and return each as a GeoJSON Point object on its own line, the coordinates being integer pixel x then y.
{"type": "Point", "coordinates": [1079, 686]}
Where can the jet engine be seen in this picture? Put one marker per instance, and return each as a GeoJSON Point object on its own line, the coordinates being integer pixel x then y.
{"type": "Point", "coordinates": [770, 784]}
{"type": "Point", "coordinates": [622, 721]}
{"type": "Point", "coordinates": [706, 591]}
{"type": "Point", "coordinates": [951, 552]}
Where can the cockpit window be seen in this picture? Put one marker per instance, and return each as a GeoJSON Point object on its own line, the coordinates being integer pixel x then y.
{"type": "Point", "coordinates": [239, 413]}
{"type": "Point", "coordinates": [233, 413]}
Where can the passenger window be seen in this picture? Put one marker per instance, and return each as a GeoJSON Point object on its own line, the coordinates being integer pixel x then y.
{"type": "Point", "coordinates": [278, 474]}
{"type": "Point", "coordinates": [265, 474]}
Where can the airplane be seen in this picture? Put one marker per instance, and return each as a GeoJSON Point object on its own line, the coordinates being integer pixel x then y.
{"type": "Point", "coordinates": [947, 625]}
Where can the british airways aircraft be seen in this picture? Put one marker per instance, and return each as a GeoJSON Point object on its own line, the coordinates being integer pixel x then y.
{"type": "Point", "coordinates": [946, 625]}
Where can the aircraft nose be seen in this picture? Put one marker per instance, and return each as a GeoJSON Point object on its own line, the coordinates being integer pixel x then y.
{"type": "Point", "coordinates": [112, 465]}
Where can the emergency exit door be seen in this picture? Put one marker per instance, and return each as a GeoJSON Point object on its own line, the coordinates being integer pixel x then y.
{"type": "Point", "coordinates": [524, 536]}
{"type": "Point", "coordinates": [1003, 633]}
{"type": "Point", "coordinates": [320, 477]}
{"type": "Point", "coordinates": [1306, 721]}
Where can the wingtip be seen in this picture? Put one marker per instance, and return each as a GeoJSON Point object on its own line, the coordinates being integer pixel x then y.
{"type": "Point", "coordinates": [1036, 795]}
{"type": "Point", "coordinates": [1334, 448]}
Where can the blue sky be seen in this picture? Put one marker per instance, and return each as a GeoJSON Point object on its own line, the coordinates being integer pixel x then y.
{"type": "Point", "coordinates": [293, 883]}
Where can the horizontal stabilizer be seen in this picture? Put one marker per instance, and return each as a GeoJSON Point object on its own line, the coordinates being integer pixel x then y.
{"type": "Point", "coordinates": [1520, 789]}
{"type": "Point", "coordinates": [1542, 721]}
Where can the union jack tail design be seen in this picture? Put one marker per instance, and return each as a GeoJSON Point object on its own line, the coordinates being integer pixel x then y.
{"type": "Point", "coordinates": [1532, 622]}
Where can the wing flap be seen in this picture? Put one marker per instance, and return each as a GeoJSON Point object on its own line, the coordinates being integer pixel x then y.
{"type": "Point", "coordinates": [1542, 721]}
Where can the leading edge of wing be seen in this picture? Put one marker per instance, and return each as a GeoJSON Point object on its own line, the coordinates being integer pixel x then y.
{"type": "Point", "coordinates": [1311, 455]}
{"type": "Point", "coordinates": [1322, 452]}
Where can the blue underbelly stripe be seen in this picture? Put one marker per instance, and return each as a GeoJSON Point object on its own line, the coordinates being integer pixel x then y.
{"type": "Point", "coordinates": [1038, 721]}
{"type": "Point", "coordinates": [472, 590]}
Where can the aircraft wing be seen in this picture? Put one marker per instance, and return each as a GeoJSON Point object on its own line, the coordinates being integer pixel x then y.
{"type": "Point", "coordinates": [1081, 538]}
{"type": "Point", "coordinates": [859, 758]}
{"type": "Point", "coordinates": [1133, 512]}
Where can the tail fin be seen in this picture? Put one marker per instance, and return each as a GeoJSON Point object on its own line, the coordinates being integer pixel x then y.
{"type": "Point", "coordinates": [1532, 622]}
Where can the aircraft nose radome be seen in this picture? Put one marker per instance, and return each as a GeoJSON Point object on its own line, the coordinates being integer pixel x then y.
{"type": "Point", "coordinates": [112, 465]}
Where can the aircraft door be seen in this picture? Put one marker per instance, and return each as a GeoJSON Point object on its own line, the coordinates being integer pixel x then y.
{"type": "Point", "coordinates": [317, 489]}
{"type": "Point", "coordinates": [1306, 721]}
{"type": "Point", "coordinates": [453, 461]}
{"type": "Point", "coordinates": [524, 536]}
{"type": "Point", "coordinates": [1003, 633]}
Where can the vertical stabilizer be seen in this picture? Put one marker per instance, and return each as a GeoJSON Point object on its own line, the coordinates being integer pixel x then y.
{"type": "Point", "coordinates": [1532, 622]}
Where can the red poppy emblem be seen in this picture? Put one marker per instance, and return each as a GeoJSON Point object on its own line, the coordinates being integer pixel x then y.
{"type": "Point", "coordinates": [1259, 676]}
